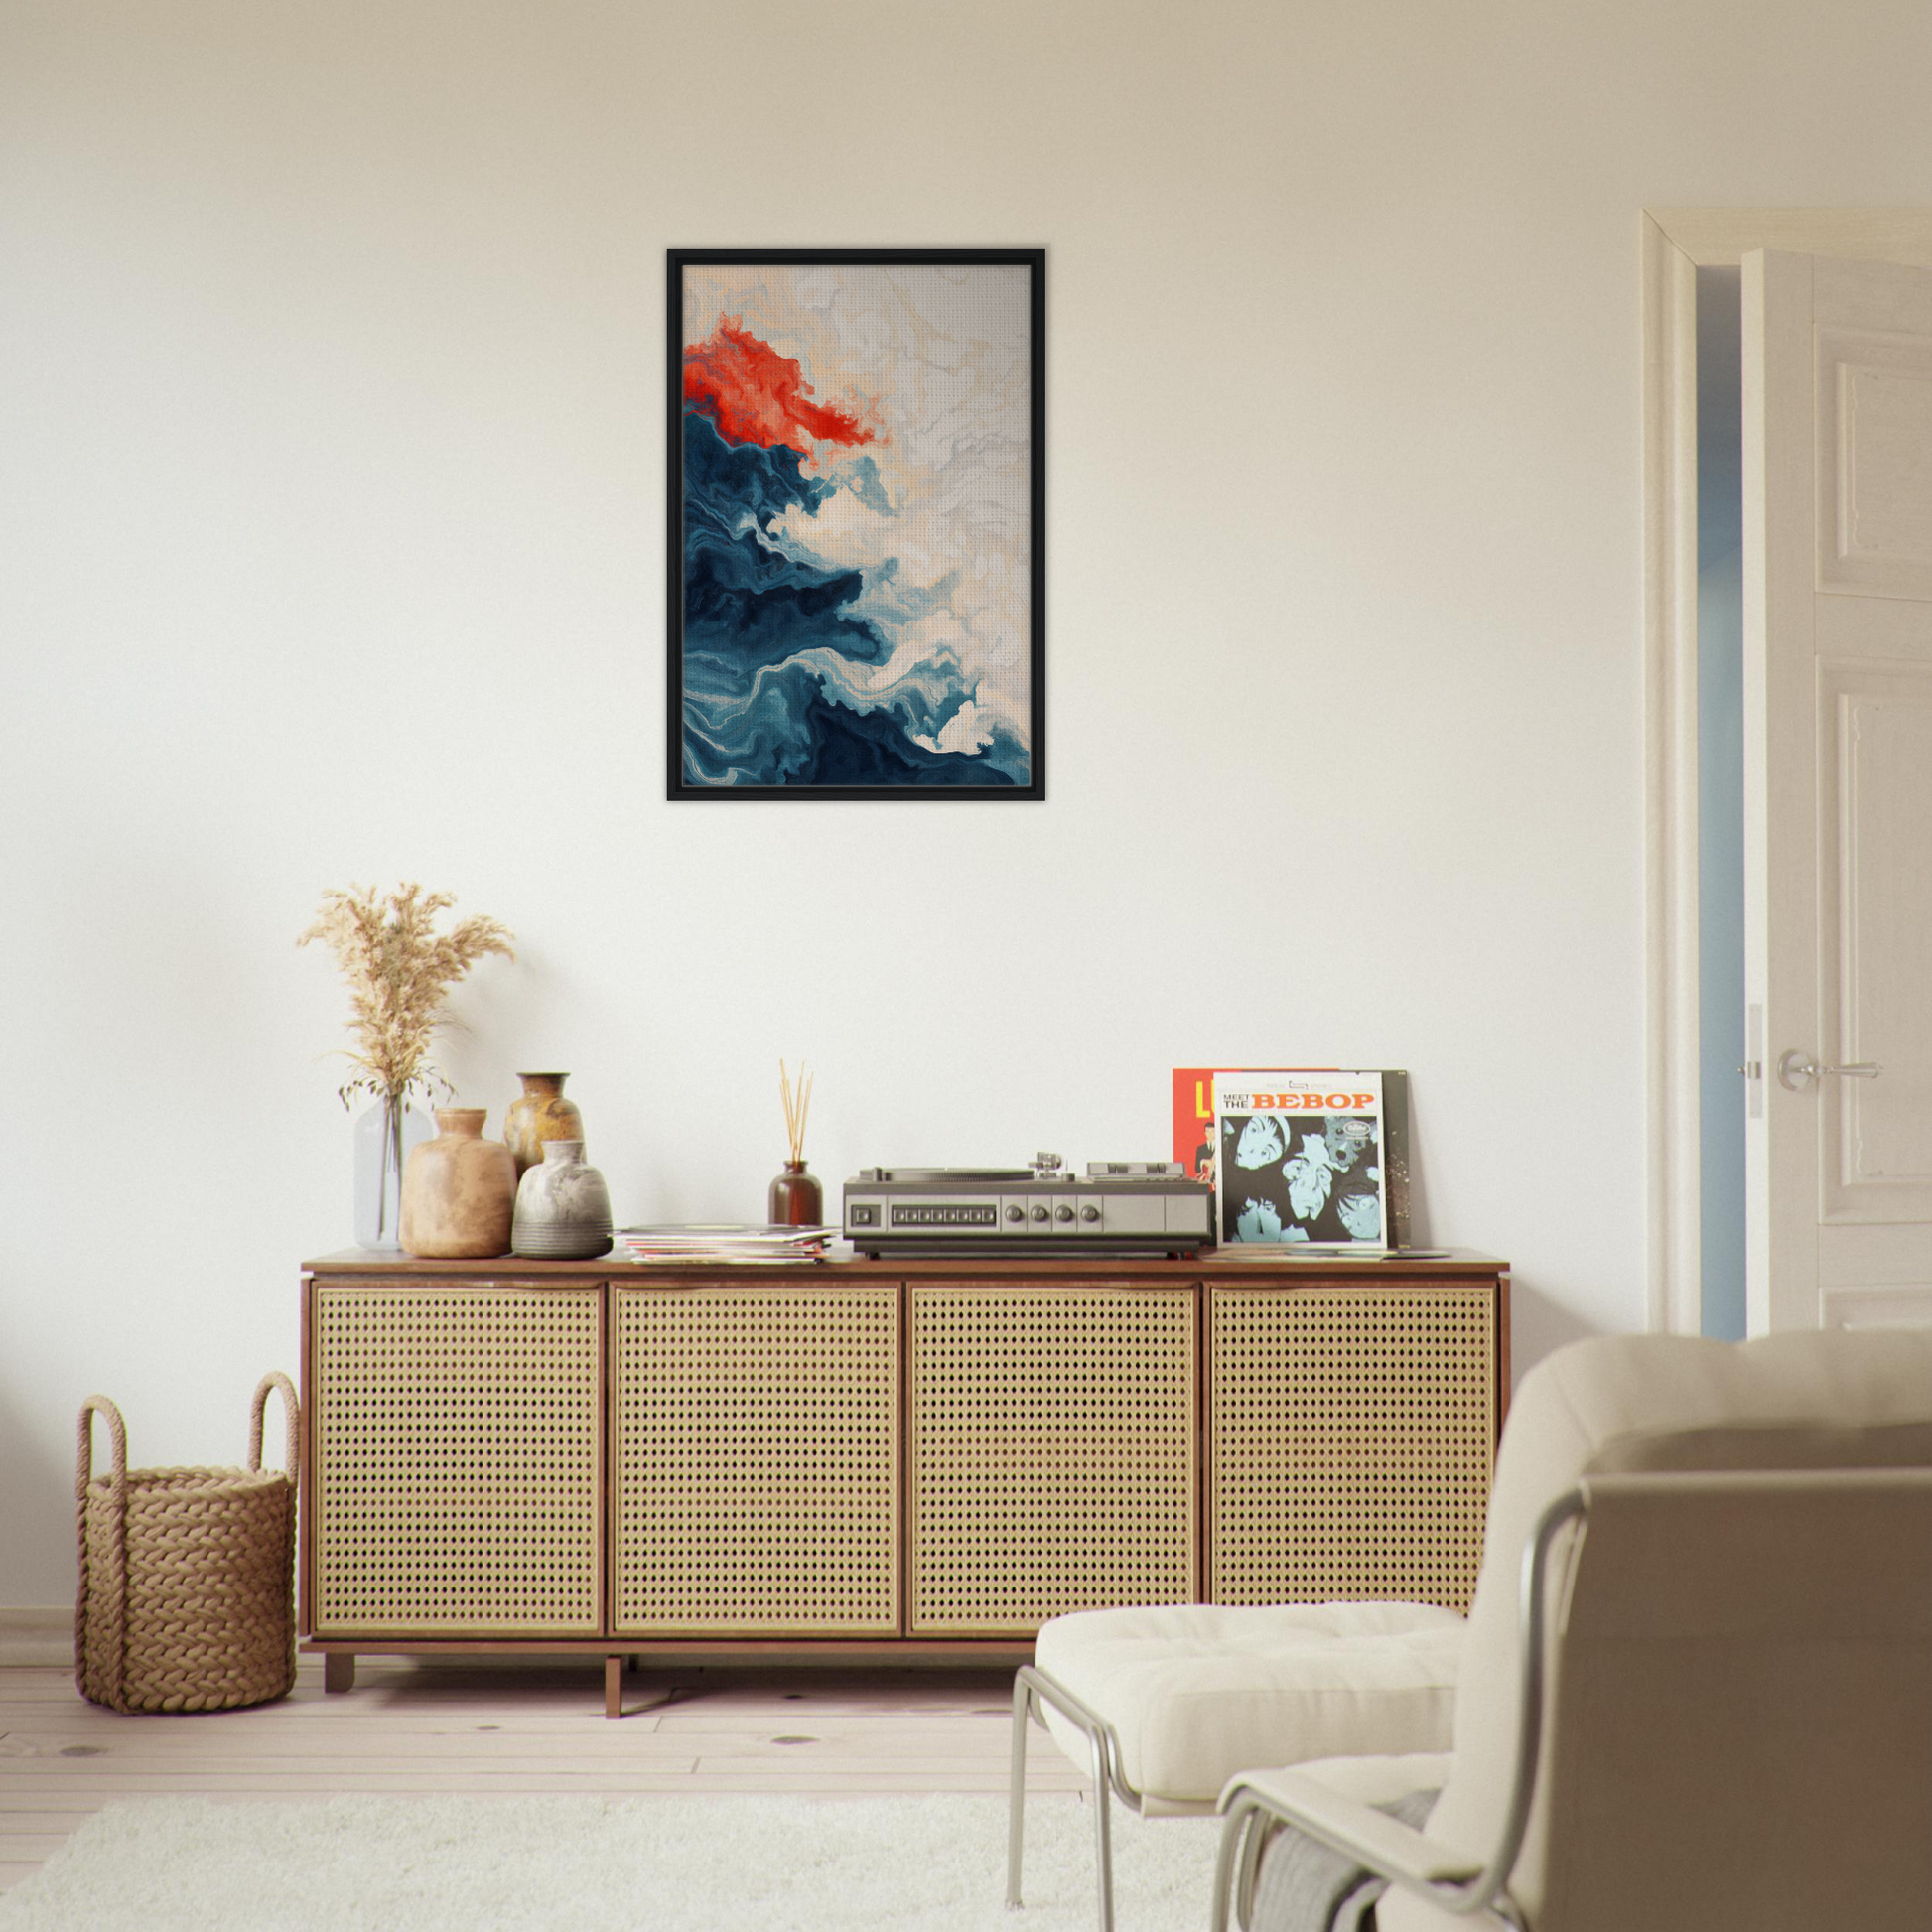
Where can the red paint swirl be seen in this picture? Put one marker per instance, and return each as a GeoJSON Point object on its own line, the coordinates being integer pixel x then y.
{"type": "Point", "coordinates": [756, 396]}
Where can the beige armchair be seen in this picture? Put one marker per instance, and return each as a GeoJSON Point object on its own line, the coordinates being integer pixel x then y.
{"type": "Point", "coordinates": [1697, 1684]}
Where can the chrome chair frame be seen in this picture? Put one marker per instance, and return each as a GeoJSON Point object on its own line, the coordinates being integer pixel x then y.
{"type": "Point", "coordinates": [1032, 1688]}
{"type": "Point", "coordinates": [1253, 1816]}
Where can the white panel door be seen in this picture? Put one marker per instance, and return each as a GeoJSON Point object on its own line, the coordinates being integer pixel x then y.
{"type": "Point", "coordinates": [1838, 778]}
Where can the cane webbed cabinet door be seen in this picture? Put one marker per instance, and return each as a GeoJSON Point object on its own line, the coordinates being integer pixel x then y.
{"type": "Point", "coordinates": [1053, 1465]}
{"type": "Point", "coordinates": [456, 1456]}
{"type": "Point", "coordinates": [1351, 1438]}
{"type": "Point", "coordinates": [756, 1454]}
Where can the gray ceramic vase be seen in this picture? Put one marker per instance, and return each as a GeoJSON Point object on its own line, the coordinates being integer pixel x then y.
{"type": "Point", "coordinates": [563, 1208]}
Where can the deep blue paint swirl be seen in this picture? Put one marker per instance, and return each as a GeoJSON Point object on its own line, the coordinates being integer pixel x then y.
{"type": "Point", "coordinates": [753, 714]}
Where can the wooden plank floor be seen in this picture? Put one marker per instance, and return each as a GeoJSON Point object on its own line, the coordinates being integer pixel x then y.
{"type": "Point", "coordinates": [509, 1728]}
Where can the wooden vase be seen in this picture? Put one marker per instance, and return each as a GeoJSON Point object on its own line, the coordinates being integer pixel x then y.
{"type": "Point", "coordinates": [459, 1190]}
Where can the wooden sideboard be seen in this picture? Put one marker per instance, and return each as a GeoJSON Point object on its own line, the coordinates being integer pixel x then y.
{"type": "Point", "coordinates": [880, 1460]}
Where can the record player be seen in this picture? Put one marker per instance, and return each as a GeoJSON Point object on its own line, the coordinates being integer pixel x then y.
{"type": "Point", "coordinates": [1133, 1207]}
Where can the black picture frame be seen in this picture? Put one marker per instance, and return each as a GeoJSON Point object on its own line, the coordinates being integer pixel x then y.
{"type": "Point", "coordinates": [681, 780]}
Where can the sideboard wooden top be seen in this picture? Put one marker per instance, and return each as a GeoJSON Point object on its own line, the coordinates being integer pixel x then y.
{"type": "Point", "coordinates": [1220, 1264]}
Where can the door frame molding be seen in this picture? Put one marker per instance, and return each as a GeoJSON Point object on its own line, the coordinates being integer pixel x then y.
{"type": "Point", "coordinates": [1675, 243]}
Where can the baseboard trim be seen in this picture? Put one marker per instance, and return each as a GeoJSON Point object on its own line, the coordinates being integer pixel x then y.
{"type": "Point", "coordinates": [39, 1635]}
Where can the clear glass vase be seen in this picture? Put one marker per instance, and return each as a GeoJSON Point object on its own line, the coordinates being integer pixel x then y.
{"type": "Point", "coordinates": [385, 1135]}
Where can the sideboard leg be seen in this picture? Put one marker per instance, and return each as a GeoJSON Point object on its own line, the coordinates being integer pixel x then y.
{"type": "Point", "coordinates": [613, 1687]}
{"type": "Point", "coordinates": [339, 1670]}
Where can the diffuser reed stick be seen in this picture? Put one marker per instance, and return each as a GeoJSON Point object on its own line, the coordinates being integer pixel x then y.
{"type": "Point", "coordinates": [795, 1198]}
{"type": "Point", "coordinates": [797, 1100]}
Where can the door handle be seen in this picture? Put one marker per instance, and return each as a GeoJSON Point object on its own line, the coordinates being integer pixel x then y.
{"type": "Point", "coordinates": [1797, 1070]}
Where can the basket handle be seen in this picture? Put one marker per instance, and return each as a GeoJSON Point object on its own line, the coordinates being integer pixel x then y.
{"type": "Point", "coordinates": [112, 1640]}
{"type": "Point", "coordinates": [291, 1410]}
{"type": "Point", "coordinates": [117, 1433]}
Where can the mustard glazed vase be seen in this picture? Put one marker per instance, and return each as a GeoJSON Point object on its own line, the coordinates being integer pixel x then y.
{"type": "Point", "coordinates": [540, 1113]}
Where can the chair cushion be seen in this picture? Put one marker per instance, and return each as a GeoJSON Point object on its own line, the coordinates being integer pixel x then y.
{"type": "Point", "coordinates": [1198, 1692]}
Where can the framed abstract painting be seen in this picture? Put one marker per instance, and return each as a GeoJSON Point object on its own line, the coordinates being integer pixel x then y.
{"type": "Point", "coordinates": [857, 498]}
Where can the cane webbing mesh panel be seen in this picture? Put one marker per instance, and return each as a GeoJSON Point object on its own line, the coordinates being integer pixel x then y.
{"type": "Point", "coordinates": [1053, 1464]}
{"type": "Point", "coordinates": [456, 1481]}
{"type": "Point", "coordinates": [756, 1459]}
{"type": "Point", "coordinates": [1351, 1438]}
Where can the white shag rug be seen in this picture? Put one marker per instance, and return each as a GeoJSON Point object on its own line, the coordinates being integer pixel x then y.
{"type": "Point", "coordinates": [755, 1863]}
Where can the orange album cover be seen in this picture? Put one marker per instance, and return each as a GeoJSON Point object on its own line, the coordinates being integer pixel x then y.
{"type": "Point", "coordinates": [1194, 1112]}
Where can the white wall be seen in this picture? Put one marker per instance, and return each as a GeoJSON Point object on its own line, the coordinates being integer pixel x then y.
{"type": "Point", "coordinates": [331, 443]}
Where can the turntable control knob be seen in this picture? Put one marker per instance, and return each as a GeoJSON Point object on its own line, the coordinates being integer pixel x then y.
{"type": "Point", "coordinates": [1040, 1214]}
{"type": "Point", "coordinates": [1089, 1213]}
{"type": "Point", "coordinates": [1063, 1213]}
{"type": "Point", "coordinates": [1016, 1212]}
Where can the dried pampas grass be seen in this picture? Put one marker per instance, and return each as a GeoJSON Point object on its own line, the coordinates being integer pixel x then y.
{"type": "Point", "coordinates": [398, 969]}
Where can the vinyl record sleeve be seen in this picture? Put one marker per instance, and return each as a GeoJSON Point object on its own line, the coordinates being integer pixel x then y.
{"type": "Point", "coordinates": [1198, 1149]}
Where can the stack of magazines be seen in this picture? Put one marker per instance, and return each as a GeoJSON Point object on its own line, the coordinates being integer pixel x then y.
{"type": "Point", "coordinates": [732, 1241]}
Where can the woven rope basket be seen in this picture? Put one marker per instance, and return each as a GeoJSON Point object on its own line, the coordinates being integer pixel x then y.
{"type": "Point", "coordinates": [187, 1576]}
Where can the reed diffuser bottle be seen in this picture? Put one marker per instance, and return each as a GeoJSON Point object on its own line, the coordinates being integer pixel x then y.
{"type": "Point", "coordinates": [795, 1199]}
